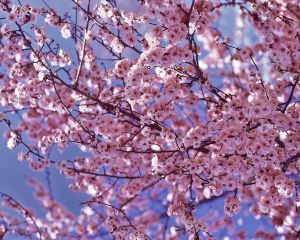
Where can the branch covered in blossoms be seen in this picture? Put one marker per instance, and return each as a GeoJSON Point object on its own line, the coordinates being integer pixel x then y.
{"type": "Point", "coordinates": [174, 113]}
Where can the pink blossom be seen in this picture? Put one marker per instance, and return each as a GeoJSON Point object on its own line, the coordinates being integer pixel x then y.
{"type": "Point", "coordinates": [169, 112]}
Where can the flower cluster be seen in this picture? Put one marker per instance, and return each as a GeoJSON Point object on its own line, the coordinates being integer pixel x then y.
{"type": "Point", "coordinates": [180, 124]}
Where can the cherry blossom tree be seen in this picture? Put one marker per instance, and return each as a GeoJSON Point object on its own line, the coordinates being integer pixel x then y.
{"type": "Point", "coordinates": [174, 113]}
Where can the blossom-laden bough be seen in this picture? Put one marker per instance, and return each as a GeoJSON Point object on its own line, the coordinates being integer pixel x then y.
{"type": "Point", "coordinates": [173, 112]}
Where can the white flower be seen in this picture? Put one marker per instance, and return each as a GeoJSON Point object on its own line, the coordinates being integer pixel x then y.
{"type": "Point", "coordinates": [12, 141]}
{"type": "Point", "coordinates": [117, 46]}
{"type": "Point", "coordinates": [66, 31]}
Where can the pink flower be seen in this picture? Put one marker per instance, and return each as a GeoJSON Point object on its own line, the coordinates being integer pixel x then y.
{"type": "Point", "coordinates": [232, 206]}
{"type": "Point", "coordinates": [2, 116]}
